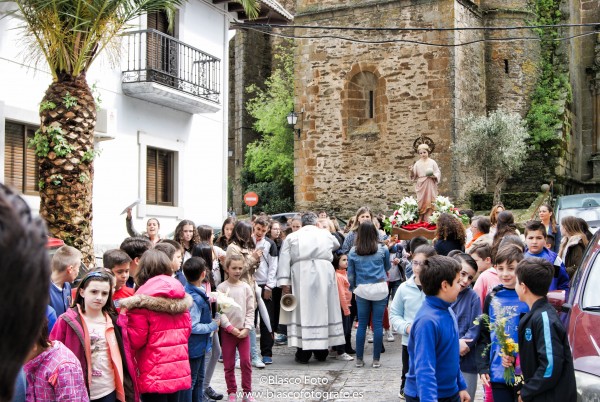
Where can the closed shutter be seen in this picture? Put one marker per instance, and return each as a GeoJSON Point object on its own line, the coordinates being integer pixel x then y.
{"type": "Point", "coordinates": [32, 167]}
{"type": "Point", "coordinates": [160, 176]}
{"type": "Point", "coordinates": [21, 169]}
{"type": "Point", "coordinates": [151, 176]}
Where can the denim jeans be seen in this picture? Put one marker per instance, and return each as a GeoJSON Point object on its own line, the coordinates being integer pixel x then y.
{"type": "Point", "coordinates": [211, 360]}
{"type": "Point", "coordinates": [455, 398]}
{"type": "Point", "coordinates": [196, 392]}
{"type": "Point", "coordinates": [365, 308]}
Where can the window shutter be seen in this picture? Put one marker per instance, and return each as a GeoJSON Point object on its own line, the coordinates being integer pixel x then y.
{"type": "Point", "coordinates": [151, 176]}
{"type": "Point", "coordinates": [32, 167]}
{"type": "Point", "coordinates": [13, 156]}
{"type": "Point", "coordinates": [165, 175]}
{"type": "Point", "coordinates": [21, 170]}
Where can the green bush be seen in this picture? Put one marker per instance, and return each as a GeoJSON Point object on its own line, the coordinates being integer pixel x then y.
{"type": "Point", "coordinates": [485, 201]}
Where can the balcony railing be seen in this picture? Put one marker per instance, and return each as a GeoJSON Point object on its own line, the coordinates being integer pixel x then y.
{"type": "Point", "coordinates": [155, 57]}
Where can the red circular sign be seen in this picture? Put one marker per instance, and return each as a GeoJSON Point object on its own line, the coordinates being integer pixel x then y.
{"type": "Point", "coordinates": [251, 199]}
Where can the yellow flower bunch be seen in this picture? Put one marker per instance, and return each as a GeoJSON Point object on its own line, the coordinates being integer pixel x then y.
{"type": "Point", "coordinates": [508, 346]}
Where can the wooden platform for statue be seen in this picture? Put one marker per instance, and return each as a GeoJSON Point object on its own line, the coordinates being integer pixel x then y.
{"type": "Point", "coordinates": [411, 234]}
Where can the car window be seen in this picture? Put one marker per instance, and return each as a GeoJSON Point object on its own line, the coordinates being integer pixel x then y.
{"type": "Point", "coordinates": [591, 296]}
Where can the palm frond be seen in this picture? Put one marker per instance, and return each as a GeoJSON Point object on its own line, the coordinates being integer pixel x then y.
{"type": "Point", "coordinates": [251, 7]}
{"type": "Point", "coordinates": [70, 34]}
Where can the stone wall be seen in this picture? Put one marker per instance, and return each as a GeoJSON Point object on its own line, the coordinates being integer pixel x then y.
{"type": "Point", "coordinates": [339, 167]}
{"type": "Point", "coordinates": [249, 62]}
{"type": "Point", "coordinates": [511, 66]}
{"type": "Point", "coordinates": [469, 91]}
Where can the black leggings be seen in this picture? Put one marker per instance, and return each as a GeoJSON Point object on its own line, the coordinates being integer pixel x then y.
{"type": "Point", "coordinates": [112, 397]}
{"type": "Point", "coordinates": [174, 397]}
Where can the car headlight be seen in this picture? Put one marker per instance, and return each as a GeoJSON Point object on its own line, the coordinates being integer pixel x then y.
{"type": "Point", "coordinates": [588, 387]}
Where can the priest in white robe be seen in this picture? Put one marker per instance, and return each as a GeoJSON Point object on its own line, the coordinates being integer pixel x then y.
{"type": "Point", "coordinates": [305, 271]}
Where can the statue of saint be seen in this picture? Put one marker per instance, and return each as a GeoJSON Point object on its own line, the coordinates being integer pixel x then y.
{"type": "Point", "coordinates": [426, 175]}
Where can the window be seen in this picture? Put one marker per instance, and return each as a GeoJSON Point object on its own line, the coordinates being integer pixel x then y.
{"type": "Point", "coordinates": [160, 176]}
{"type": "Point", "coordinates": [21, 169]}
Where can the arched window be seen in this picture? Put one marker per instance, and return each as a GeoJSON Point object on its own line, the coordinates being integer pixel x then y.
{"type": "Point", "coordinates": [363, 99]}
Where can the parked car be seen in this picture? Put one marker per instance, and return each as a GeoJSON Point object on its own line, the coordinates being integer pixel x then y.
{"type": "Point", "coordinates": [584, 206]}
{"type": "Point", "coordinates": [582, 319]}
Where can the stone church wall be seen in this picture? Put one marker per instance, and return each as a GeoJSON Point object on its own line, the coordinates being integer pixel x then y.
{"type": "Point", "coordinates": [345, 159]}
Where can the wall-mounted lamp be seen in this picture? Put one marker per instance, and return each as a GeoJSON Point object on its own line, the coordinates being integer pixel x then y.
{"type": "Point", "coordinates": [292, 119]}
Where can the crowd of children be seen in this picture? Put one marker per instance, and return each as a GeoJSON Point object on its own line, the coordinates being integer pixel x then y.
{"type": "Point", "coordinates": [147, 326]}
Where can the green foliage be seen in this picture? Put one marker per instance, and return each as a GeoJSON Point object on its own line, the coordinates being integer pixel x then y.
{"type": "Point", "coordinates": [41, 184]}
{"type": "Point", "coordinates": [84, 178]}
{"type": "Point", "coordinates": [272, 157]}
{"type": "Point", "coordinates": [50, 140]}
{"type": "Point", "coordinates": [508, 134]}
{"type": "Point", "coordinates": [519, 200]}
{"type": "Point", "coordinates": [47, 105]}
{"type": "Point", "coordinates": [69, 101]}
{"type": "Point", "coordinates": [90, 155]}
{"type": "Point", "coordinates": [56, 179]}
{"type": "Point", "coordinates": [97, 96]}
{"type": "Point", "coordinates": [546, 116]}
{"type": "Point", "coordinates": [273, 197]}
{"type": "Point", "coordinates": [269, 161]}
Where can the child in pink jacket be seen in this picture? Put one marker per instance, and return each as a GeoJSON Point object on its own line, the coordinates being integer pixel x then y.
{"type": "Point", "coordinates": [53, 372]}
{"type": "Point", "coordinates": [156, 326]}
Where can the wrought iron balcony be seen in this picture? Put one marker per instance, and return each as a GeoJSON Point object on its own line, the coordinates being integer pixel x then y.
{"type": "Point", "coordinates": [164, 70]}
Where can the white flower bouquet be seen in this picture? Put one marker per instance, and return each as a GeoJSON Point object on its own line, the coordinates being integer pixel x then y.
{"type": "Point", "coordinates": [225, 304]}
{"type": "Point", "coordinates": [443, 205]}
{"type": "Point", "coordinates": [407, 212]}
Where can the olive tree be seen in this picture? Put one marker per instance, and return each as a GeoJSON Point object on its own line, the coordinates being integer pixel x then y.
{"type": "Point", "coordinates": [496, 142]}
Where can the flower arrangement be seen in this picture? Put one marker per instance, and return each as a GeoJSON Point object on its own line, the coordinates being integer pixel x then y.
{"type": "Point", "coordinates": [443, 205]}
{"type": "Point", "coordinates": [508, 346]}
{"type": "Point", "coordinates": [225, 304]}
{"type": "Point", "coordinates": [407, 212]}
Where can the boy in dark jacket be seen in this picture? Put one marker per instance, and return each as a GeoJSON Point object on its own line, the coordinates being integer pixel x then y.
{"type": "Point", "coordinates": [199, 343]}
{"type": "Point", "coordinates": [546, 359]}
{"type": "Point", "coordinates": [433, 340]}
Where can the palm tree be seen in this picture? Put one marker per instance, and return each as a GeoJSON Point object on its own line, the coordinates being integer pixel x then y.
{"type": "Point", "coordinates": [69, 35]}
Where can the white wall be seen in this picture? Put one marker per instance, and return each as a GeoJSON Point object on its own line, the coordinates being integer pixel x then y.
{"type": "Point", "coordinates": [200, 139]}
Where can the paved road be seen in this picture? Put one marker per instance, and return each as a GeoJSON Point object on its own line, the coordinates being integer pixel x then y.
{"type": "Point", "coordinates": [333, 380]}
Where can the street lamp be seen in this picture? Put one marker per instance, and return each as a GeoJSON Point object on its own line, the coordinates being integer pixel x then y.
{"type": "Point", "coordinates": [292, 119]}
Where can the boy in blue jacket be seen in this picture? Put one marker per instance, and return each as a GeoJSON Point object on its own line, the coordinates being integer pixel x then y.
{"type": "Point", "coordinates": [503, 301]}
{"type": "Point", "coordinates": [199, 343]}
{"type": "Point", "coordinates": [535, 239]}
{"type": "Point", "coordinates": [546, 359]}
{"type": "Point", "coordinates": [433, 341]}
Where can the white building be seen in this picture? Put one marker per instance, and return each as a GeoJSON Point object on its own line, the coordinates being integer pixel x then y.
{"type": "Point", "coordinates": [162, 127]}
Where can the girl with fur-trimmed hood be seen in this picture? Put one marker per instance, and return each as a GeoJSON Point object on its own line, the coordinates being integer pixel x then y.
{"type": "Point", "coordinates": [156, 326]}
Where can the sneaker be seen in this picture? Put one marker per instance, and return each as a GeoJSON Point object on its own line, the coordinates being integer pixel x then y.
{"type": "Point", "coordinates": [237, 364]}
{"type": "Point", "coordinates": [280, 339]}
{"type": "Point", "coordinates": [211, 394]}
{"type": "Point", "coordinates": [258, 363]}
{"type": "Point", "coordinates": [332, 353]}
{"type": "Point", "coordinates": [360, 363]}
{"type": "Point", "coordinates": [300, 361]}
{"type": "Point", "coordinates": [267, 360]}
{"type": "Point", "coordinates": [390, 336]}
{"type": "Point", "coordinates": [370, 339]}
{"type": "Point", "coordinates": [220, 360]}
{"type": "Point", "coordinates": [401, 394]}
{"type": "Point", "coordinates": [248, 398]}
{"type": "Point", "coordinates": [232, 398]}
{"type": "Point", "coordinates": [345, 357]}
{"type": "Point", "coordinates": [376, 364]}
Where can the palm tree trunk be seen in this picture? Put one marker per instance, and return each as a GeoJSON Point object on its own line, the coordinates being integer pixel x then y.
{"type": "Point", "coordinates": [66, 180]}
